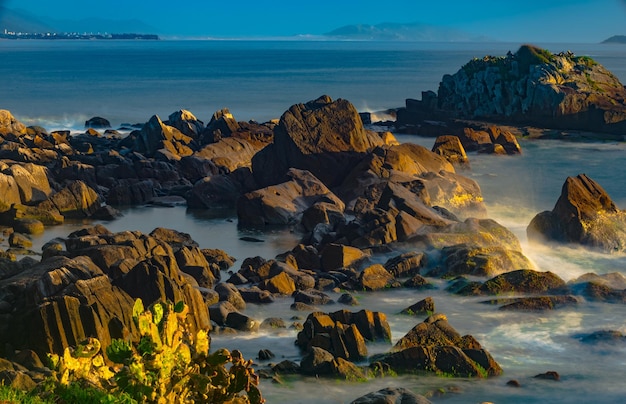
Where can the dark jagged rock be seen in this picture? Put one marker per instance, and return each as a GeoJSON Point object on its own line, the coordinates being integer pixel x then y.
{"type": "Point", "coordinates": [285, 203]}
{"type": "Point", "coordinates": [89, 290]}
{"type": "Point", "coordinates": [97, 122]}
{"type": "Point", "coordinates": [435, 346]}
{"type": "Point", "coordinates": [343, 333]}
{"type": "Point", "coordinates": [222, 124]}
{"type": "Point", "coordinates": [323, 136]}
{"type": "Point", "coordinates": [549, 375]}
{"type": "Point", "coordinates": [9, 125]}
{"type": "Point", "coordinates": [451, 148]}
{"type": "Point", "coordinates": [375, 277]}
{"type": "Point", "coordinates": [156, 135]}
{"type": "Point", "coordinates": [407, 264]}
{"type": "Point", "coordinates": [32, 182]}
{"type": "Point", "coordinates": [75, 200]}
{"type": "Point", "coordinates": [424, 306]}
{"type": "Point", "coordinates": [319, 362]}
{"type": "Point", "coordinates": [231, 153]}
{"type": "Point", "coordinates": [9, 192]}
{"type": "Point", "coordinates": [584, 214]}
{"type": "Point", "coordinates": [186, 123]}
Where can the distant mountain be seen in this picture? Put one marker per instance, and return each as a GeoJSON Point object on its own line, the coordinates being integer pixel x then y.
{"type": "Point", "coordinates": [403, 32]}
{"type": "Point", "coordinates": [24, 21]}
{"type": "Point", "coordinates": [616, 39]}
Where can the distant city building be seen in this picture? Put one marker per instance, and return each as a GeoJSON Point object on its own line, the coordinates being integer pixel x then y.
{"type": "Point", "coordinates": [74, 35]}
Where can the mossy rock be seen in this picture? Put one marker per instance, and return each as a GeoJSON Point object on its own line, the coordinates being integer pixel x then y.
{"type": "Point", "coordinates": [523, 281]}
{"type": "Point", "coordinates": [529, 55]}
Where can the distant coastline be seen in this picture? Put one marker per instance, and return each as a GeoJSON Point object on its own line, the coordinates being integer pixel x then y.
{"type": "Point", "coordinates": [74, 35]}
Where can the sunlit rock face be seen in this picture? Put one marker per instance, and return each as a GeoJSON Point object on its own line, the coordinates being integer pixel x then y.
{"type": "Point", "coordinates": [584, 214]}
{"type": "Point", "coordinates": [534, 86]}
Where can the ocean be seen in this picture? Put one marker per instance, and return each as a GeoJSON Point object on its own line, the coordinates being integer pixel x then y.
{"type": "Point", "coordinates": [60, 84]}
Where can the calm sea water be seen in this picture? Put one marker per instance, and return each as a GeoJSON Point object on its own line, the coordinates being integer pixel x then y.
{"type": "Point", "coordinates": [61, 84]}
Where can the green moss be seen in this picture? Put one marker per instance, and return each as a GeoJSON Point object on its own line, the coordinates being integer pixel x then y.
{"type": "Point", "coordinates": [10, 395]}
{"type": "Point", "coordinates": [585, 60]}
{"type": "Point", "coordinates": [530, 55]}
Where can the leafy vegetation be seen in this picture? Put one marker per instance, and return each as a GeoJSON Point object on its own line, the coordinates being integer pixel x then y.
{"type": "Point", "coordinates": [9, 395]}
{"type": "Point", "coordinates": [168, 364]}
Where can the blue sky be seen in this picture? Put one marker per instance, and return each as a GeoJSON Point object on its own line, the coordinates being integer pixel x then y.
{"type": "Point", "coordinates": [528, 20]}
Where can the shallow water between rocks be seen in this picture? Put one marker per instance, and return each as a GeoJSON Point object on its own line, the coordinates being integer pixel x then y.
{"type": "Point", "coordinates": [524, 344]}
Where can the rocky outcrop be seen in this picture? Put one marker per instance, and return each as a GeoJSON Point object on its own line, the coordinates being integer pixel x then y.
{"type": "Point", "coordinates": [323, 136]}
{"type": "Point", "coordinates": [156, 135]}
{"type": "Point", "coordinates": [584, 214]}
{"type": "Point", "coordinates": [89, 289]}
{"type": "Point", "coordinates": [533, 86]}
{"type": "Point", "coordinates": [186, 123]}
{"type": "Point", "coordinates": [435, 346]}
{"type": "Point", "coordinates": [9, 125]}
{"type": "Point", "coordinates": [286, 202]}
{"type": "Point", "coordinates": [231, 153]}
{"type": "Point", "coordinates": [343, 333]}
{"type": "Point", "coordinates": [75, 200]}
{"type": "Point", "coordinates": [451, 148]}
{"type": "Point", "coordinates": [97, 122]}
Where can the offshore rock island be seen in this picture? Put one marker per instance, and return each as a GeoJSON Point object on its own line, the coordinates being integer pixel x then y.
{"type": "Point", "coordinates": [352, 195]}
{"type": "Point", "coordinates": [529, 87]}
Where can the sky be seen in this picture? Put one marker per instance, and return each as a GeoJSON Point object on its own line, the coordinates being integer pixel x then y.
{"type": "Point", "coordinates": [527, 20]}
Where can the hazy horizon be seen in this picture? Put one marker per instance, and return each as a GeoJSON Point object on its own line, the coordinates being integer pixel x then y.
{"type": "Point", "coordinates": [530, 21]}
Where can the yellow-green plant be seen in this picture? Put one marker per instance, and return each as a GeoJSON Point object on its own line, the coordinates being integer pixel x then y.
{"type": "Point", "coordinates": [168, 364]}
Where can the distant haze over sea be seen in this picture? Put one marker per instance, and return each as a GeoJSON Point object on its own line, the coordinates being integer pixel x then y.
{"type": "Point", "coordinates": [19, 20]}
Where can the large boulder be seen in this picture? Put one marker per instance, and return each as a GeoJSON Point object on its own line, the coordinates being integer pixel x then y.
{"type": "Point", "coordinates": [584, 214]}
{"type": "Point", "coordinates": [186, 123]}
{"type": "Point", "coordinates": [156, 135]}
{"type": "Point", "coordinates": [222, 124]}
{"type": "Point", "coordinates": [9, 125]}
{"type": "Point", "coordinates": [343, 333]}
{"type": "Point", "coordinates": [9, 192]}
{"type": "Point", "coordinates": [32, 181]}
{"type": "Point", "coordinates": [435, 346]}
{"type": "Point", "coordinates": [451, 148]}
{"type": "Point", "coordinates": [75, 200]}
{"type": "Point", "coordinates": [464, 259]}
{"type": "Point", "coordinates": [284, 203]}
{"type": "Point", "coordinates": [323, 136]}
{"type": "Point", "coordinates": [231, 153]}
